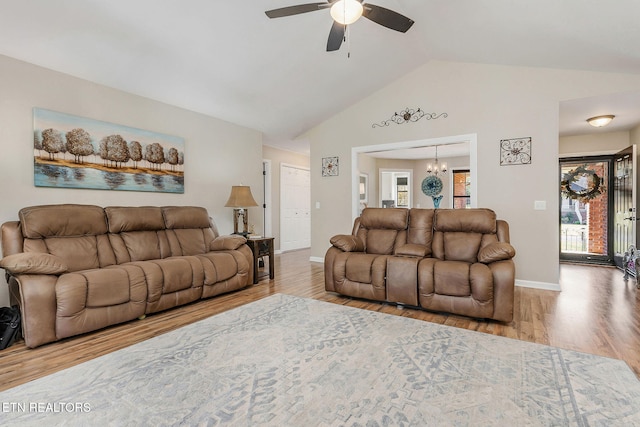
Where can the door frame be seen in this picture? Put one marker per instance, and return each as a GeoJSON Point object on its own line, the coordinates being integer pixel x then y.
{"type": "Point", "coordinates": [471, 138]}
{"type": "Point", "coordinates": [282, 224]}
{"type": "Point", "coordinates": [590, 258]}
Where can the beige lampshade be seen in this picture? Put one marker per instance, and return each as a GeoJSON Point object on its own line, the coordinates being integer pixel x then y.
{"type": "Point", "coordinates": [240, 197]}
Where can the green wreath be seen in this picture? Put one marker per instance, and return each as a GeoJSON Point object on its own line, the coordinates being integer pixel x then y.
{"type": "Point", "coordinates": [594, 184]}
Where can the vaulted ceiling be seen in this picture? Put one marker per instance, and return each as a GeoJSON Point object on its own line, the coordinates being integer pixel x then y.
{"type": "Point", "coordinates": [228, 60]}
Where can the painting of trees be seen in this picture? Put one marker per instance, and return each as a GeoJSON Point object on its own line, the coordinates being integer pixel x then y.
{"type": "Point", "coordinates": [154, 154]}
{"type": "Point", "coordinates": [135, 151]}
{"type": "Point", "coordinates": [172, 158]}
{"type": "Point", "coordinates": [114, 149]}
{"type": "Point", "coordinates": [103, 155]}
{"type": "Point", "coordinates": [79, 144]}
{"type": "Point", "coordinates": [52, 142]}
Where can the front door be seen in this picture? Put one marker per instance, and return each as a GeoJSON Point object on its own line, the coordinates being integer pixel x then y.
{"type": "Point", "coordinates": [624, 202]}
{"type": "Point", "coordinates": [585, 206]}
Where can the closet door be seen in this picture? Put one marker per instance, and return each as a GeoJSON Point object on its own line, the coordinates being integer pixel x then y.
{"type": "Point", "coordinates": [295, 208]}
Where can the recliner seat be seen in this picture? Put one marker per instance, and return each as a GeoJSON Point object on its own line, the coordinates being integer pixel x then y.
{"type": "Point", "coordinates": [78, 268]}
{"type": "Point", "coordinates": [456, 261]}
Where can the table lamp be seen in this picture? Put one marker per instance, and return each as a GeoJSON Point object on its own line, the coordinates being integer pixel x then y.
{"type": "Point", "coordinates": [240, 199]}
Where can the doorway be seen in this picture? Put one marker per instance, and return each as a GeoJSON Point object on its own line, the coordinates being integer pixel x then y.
{"type": "Point", "coordinates": [395, 188]}
{"type": "Point", "coordinates": [598, 208]}
{"type": "Point", "coordinates": [586, 223]}
{"type": "Point", "coordinates": [295, 208]}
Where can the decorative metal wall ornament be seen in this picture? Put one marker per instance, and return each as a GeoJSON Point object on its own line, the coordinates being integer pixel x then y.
{"type": "Point", "coordinates": [330, 166]}
{"type": "Point", "coordinates": [515, 151]}
{"type": "Point", "coordinates": [409, 115]}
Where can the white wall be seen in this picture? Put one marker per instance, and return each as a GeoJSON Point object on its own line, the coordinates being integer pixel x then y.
{"type": "Point", "coordinates": [218, 154]}
{"type": "Point", "coordinates": [493, 102]}
{"type": "Point", "coordinates": [593, 144]}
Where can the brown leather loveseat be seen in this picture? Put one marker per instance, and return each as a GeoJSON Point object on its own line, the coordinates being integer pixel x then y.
{"type": "Point", "coordinates": [78, 268]}
{"type": "Point", "coordinates": [447, 260]}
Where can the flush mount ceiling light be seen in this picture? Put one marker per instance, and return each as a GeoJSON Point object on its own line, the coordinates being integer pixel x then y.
{"type": "Point", "coordinates": [346, 12]}
{"type": "Point", "coordinates": [600, 121]}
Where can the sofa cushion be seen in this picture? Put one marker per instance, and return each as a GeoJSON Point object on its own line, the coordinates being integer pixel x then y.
{"type": "Point", "coordinates": [220, 266]}
{"type": "Point", "coordinates": [62, 220]}
{"type": "Point", "coordinates": [461, 246]}
{"type": "Point", "coordinates": [142, 245]}
{"type": "Point", "coordinates": [412, 250]}
{"type": "Point", "coordinates": [189, 241]}
{"type": "Point", "coordinates": [384, 218]}
{"type": "Point", "coordinates": [186, 217]}
{"type": "Point", "coordinates": [123, 218]}
{"type": "Point", "coordinates": [92, 299]}
{"type": "Point", "coordinates": [79, 253]}
{"type": "Point", "coordinates": [33, 263]}
{"type": "Point", "coordinates": [420, 229]}
{"type": "Point", "coordinates": [380, 242]}
{"type": "Point", "coordinates": [465, 220]}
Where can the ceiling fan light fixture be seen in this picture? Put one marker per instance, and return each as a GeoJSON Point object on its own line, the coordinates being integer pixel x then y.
{"type": "Point", "coordinates": [600, 121]}
{"type": "Point", "coordinates": [346, 12]}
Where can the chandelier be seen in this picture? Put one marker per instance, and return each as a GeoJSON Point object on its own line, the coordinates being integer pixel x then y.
{"type": "Point", "coordinates": [437, 168]}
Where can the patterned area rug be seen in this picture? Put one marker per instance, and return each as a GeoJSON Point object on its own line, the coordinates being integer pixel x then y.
{"type": "Point", "coordinates": [289, 361]}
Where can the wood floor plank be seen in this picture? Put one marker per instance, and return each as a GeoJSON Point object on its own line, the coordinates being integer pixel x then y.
{"type": "Point", "coordinates": [597, 312]}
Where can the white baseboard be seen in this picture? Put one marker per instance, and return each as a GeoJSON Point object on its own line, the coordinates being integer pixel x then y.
{"type": "Point", "coordinates": [277, 252]}
{"type": "Point", "coordinates": [538, 285]}
{"type": "Point", "coordinates": [316, 259]}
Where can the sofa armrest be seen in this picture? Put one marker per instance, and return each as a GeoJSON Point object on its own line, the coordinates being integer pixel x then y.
{"type": "Point", "coordinates": [227, 243]}
{"type": "Point", "coordinates": [348, 243]}
{"type": "Point", "coordinates": [497, 251]}
{"type": "Point", "coordinates": [412, 249]}
{"type": "Point", "coordinates": [33, 263]}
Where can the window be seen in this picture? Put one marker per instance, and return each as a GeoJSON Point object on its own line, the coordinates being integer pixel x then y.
{"type": "Point", "coordinates": [461, 189]}
{"type": "Point", "coordinates": [403, 192]}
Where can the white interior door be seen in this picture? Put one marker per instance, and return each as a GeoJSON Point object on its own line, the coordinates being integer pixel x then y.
{"type": "Point", "coordinates": [295, 207]}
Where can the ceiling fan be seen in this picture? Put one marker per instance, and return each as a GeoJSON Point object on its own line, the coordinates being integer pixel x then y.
{"type": "Point", "coordinates": [345, 12]}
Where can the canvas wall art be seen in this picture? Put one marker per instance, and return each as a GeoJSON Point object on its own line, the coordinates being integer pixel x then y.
{"type": "Point", "coordinates": [76, 152]}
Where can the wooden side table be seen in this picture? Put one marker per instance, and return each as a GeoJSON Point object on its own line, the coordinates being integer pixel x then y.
{"type": "Point", "coordinates": [261, 247]}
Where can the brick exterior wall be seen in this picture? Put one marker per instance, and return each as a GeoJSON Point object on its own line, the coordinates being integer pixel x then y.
{"type": "Point", "coordinates": [597, 243]}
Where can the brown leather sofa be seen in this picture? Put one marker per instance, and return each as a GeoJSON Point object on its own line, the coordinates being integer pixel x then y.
{"type": "Point", "coordinates": [78, 268]}
{"type": "Point", "coordinates": [447, 260]}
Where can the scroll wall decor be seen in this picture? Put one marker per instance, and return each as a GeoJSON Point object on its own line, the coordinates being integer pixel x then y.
{"type": "Point", "coordinates": [515, 151]}
{"type": "Point", "coordinates": [409, 115]}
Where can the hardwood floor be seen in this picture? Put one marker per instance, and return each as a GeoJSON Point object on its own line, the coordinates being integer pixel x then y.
{"type": "Point", "coordinates": [597, 313]}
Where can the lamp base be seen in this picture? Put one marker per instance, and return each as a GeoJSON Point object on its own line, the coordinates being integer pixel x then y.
{"type": "Point", "coordinates": [244, 213]}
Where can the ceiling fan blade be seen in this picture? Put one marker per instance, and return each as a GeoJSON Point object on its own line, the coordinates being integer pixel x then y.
{"type": "Point", "coordinates": [296, 10]}
{"type": "Point", "coordinates": [387, 18]}
{"type": "Point", "coordinates": [336, 36]}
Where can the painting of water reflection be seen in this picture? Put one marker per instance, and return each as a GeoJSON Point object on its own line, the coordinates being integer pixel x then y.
{"type": "Point", "coordinates": [76, 152]}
